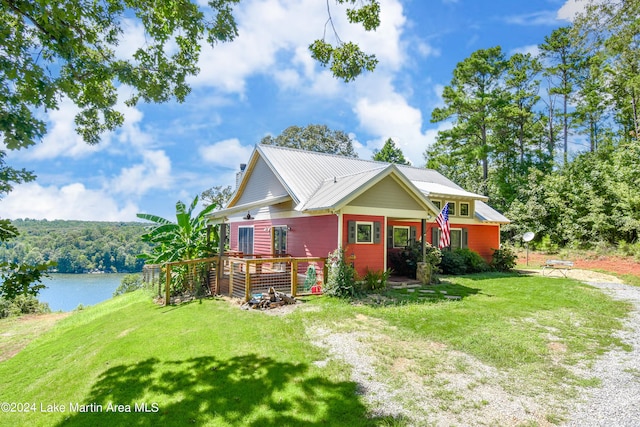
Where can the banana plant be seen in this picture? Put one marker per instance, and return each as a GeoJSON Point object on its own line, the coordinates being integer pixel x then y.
{"type": "Point", "coordinates": [184, 239]}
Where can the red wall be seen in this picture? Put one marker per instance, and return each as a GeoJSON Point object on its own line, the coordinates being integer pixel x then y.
{"type": "Point", "coordinates": [367, 255]}
{"type": "Point", "coordinates": [313, 236]}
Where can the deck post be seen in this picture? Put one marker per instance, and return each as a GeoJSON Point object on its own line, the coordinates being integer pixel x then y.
{"type": "Point", "coordinates": [167, 296]}
{"type": "Point", "coordinates": [247, 282]}
{"type": "Point", "coordinates": [230, 277]}
{"type": "Point", "coordinates": [294, 276]}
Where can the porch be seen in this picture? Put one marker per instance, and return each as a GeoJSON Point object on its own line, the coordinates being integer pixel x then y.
{"type": "Point", "coordinates": [240, 275]}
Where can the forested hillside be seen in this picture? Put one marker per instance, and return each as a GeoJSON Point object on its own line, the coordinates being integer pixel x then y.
{"type": "Point", "coordinates": [77, 246]}
{"type": "Point", "coordinates": [551, 136]}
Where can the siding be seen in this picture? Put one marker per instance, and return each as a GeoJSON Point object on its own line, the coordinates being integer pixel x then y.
{"type": "Point", "coordinates": [387, 194]}
{"type": "Point", "coordinates": [482, 239]}
{"type": "Point", "coordinates": [262, 184]}
{"type": "Point", "coordinates": [313, 236]}
{"type": "Point", "coordinates": [367, 255]}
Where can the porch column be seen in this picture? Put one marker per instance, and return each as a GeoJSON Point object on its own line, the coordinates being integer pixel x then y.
{"type": "Point", "coordinates": [423, 236]}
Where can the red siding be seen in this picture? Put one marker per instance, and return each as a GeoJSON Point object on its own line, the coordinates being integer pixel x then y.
{"type": "Point", "coordinates": [313, 236]}
{"type": "Point", "coordinates": [482, 239]}
{"type": "Point", "coordinates": [367, 255]}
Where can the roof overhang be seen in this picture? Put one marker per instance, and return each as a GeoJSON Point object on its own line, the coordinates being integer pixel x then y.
{"type": "Point", "coordinates": [221, 216]}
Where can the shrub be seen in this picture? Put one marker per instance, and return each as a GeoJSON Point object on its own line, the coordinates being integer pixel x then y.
{"type": "Point", "coordinates": [503, 259]}
{"type": "Point", "coordinates": [376, 280]}
{"type": "Point", "coordinates": [22, 304]}
{"type": "Point", "coordinates": [405, 261]}
{"type": "Point", "coordinates": [342, 276]}
{"type": "Point", "coordinates": [129, 283]}
{"type": "Point", "coordinates": [462, 261]}
{"type": "Point", "coordinates": [452, 263]}
{"type": "Point", "coordinates": [8, 308]}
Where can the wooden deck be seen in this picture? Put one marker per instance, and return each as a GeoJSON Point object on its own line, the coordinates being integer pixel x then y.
{"type": "Point", "coordinates": [241, 276]}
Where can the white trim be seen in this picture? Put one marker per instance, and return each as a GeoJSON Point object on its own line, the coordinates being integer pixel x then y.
{"type": "Point", "coordinates": [370, 224]}
{"type": "Point", "coordinates": [253, 236]}
{"type": "Point", "coordinates": [340, 229]}
{"type": "Point", "coordinates": [393, 235]}
{"type": "Point", "coordinates": [385, 247]}
{"type": "Point", "coordinates": [468, 215]}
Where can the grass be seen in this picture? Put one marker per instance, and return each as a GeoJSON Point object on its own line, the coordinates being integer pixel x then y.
{"type": "Point", "coordinates": [209, 363]}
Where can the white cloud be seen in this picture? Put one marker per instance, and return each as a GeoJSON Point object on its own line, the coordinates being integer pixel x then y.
{"type": "Point", "coordinates": [274, 36]}
{"type": "Point", "coordinates": [544, 17]}
{"type": "Point", "coordinates": [61, 139]}
{"type": "Point", "coordinates": [154, 172]}
{"type": "Point", "coordinates": [571, 9]}
{"type": "Point", "coordinates": [228, 153]}
{"type": "Point", "coordinates": [394, 118]}
{"type": "Point", "coordinates": [72, 201]}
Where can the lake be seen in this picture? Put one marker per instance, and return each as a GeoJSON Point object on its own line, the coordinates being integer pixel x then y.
{"type": "Point", "coordinates": [66, 291]}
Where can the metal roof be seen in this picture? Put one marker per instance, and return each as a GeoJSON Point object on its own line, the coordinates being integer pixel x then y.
{"type": "Point", "coordinates": [318, 181]}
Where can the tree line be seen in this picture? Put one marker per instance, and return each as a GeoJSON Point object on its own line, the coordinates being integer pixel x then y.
{"type": "Point", "coordinates": [77, 246]}
{"type": "Point", "coordinates": [552, 138]}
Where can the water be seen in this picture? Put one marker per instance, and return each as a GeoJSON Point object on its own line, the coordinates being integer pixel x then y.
{"type": "Point", "coordinates": [65, 292]}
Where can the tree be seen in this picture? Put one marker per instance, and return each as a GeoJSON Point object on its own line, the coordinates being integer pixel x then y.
{"type": "Point", "coordinates": [217, 195]}
{"type": "Point", "coordinates": [471, 102]}
{"type": "Point", "coordinates": [390, 153]}
{"type": "Point", "coordinates": [314, 138]}
{"type": "Point", "coordinates": [611, 30]}
{"type": "Point", "coordinates": [566, 59]}
{"type": "Point", "coordinates": [184, 239]}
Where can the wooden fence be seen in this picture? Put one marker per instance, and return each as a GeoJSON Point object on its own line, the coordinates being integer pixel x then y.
{"type": "Point", "coordinates": [242, 276]}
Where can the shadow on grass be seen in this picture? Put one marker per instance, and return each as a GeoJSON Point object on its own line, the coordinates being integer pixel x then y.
{"type": "Point", "coordinates": [247, 391]}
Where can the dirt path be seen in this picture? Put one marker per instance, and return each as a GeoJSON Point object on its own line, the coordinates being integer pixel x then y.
{"type": "Point", "coordinates": [17, 332]}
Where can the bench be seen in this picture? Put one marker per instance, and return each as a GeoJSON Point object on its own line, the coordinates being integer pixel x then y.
{"type": "Point", "coordinates": [552, 265]}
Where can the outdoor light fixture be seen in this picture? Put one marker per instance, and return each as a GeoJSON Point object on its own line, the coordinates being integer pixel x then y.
{"type": "Point", "coordinates": [248, 215]}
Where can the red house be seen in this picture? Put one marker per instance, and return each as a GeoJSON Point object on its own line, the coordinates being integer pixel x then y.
{"type": "Point", "coordinates": [307, 204]}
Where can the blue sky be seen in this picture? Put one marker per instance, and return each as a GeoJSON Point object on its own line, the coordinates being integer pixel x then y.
{"type": "Point", "coordinates": [262, 83]}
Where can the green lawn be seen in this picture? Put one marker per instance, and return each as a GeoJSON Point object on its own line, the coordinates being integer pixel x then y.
{"type": "Point", "coordinates": [210, 363]}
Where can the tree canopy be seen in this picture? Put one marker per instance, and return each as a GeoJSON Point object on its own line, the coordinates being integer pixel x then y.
{"type": "Point", "coordinates": [314, 138]}
{"type": "Point", "coordinates": [390, 153]}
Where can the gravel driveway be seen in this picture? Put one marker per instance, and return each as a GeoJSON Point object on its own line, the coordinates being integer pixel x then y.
{"type": "Point", "coordinates": [617, 401]}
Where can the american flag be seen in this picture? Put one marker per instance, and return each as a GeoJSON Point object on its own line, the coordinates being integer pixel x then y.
{"type": "Point", "coordinates": [445, 231]}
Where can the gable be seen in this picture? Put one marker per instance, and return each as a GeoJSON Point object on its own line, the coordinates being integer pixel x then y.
{"type": "Point", "coordinates": [260, 184]}
{"type": "Point", "coordinates": [387, 193]}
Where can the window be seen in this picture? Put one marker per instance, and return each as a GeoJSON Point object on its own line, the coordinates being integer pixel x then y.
{"type": "Point", "coordinates": [459, 237]}
{"type": "Point", "coordinates": [400, 237]}
{"type": "Point", "coordinates": [245, 240]}
{"type": "Point", "coordinates": [364, 232]}
{"type": "Point", "coordinates": [452, 208]}
{"type": "Point", "coordinates": [464, 209]}
{"type": "Point", "coordinates": [456, 239]}
{"type": "Point", "coordinates": [437, 204]}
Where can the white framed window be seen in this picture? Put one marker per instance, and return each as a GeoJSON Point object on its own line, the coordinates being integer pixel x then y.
{"type": "Point", "coordinates": [465, 209]}
{"type": "Point", "coordinates": [452, 208]}
{"type": "Point", "coordinates": [245, 239]}
{"type": "Point", "coordinates": [364, 232]}
{"type": "Point", "coordinates": [401, 236]}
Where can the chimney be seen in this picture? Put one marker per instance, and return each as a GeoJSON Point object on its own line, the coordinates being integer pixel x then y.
{"type": "Point", "coordinates": [239, 174]}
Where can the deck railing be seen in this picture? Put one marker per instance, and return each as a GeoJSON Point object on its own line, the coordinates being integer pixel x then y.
{"type": "Point", "coordinates": [242, 276]}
